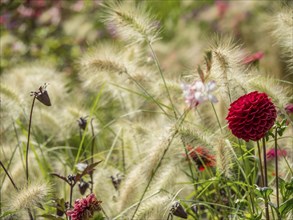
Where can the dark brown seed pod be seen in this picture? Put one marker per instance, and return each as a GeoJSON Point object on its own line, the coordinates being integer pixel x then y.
{"type": "Point", "coordinates": [42, 95]}
{"type": "Point", "coordinates": [178, 210]}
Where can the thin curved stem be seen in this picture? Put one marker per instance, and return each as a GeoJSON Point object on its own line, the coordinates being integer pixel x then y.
{"type": "Point", "coordinates": [92, 154]}
{"type": "Point", "coordinates": [28, 140]}
{"type": "Point", "coordinates": [218, 120]}
{"type": "Point", "coordinates": [163, 78]}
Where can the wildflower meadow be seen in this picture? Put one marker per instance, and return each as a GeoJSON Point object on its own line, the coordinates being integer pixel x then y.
{"type": "Point", "coordinates": [146, 110]}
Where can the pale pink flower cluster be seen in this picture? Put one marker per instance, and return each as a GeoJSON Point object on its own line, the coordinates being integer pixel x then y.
{"type": "Point", "coordinates": [198, 92]}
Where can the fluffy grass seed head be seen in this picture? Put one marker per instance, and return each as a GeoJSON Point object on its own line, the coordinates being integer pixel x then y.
{"type": "Point", "coordinates": [133, 23]}
{"type": "Point", "coordinates": [30, 196]}
{"type": "Point", "coordinates": [223, 159]}
{"type": "Point", "coordinates": [282, 26]}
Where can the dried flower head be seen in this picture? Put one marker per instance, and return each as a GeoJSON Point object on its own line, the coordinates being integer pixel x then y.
{"type": "Point", "coordinates": [178, 210]}
{"type": "Point", "coordinates": [201, 157]}
{"type": "Point", "coordinates": [198, 92]}
{"type": "Point", "coordinates": [82, 122]}
{"type": "Point", "coordinates": [251, 116]}
{"type": "Point", "coordinates": [42, 95]}
{"type": "Point", "coordinates": [84, 208]}
{"type": "Point", "coordinates": [271, 153]}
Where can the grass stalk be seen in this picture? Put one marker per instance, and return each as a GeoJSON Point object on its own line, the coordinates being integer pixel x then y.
{"type": "Point", "coordinates": [218, 120]}
{"type": "Point", "coordinates": [162, 76]}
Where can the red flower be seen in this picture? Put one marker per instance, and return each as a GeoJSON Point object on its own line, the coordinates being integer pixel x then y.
{"type": "Point", "coordinates": [84, 208]}
{"type": "Point", "coordinates": [251, 116]}
{"type": "Point", "coordinates": [253, 58]}
{"type": "Point", "coordinates": [272, 153]}
{"type": "Point", "coordinates": [201, 157]}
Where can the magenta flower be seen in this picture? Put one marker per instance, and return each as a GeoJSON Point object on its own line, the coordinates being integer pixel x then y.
{"type": "Point", "coordinates": [251, 116]}
{"type": "Point", "coordinates": [289, 108]}
{"type": "Point", "coordinates": [271, 153]}
{"type": "Point", "coordinates": [84, 208]}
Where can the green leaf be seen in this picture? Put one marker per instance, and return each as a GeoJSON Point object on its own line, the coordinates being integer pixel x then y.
{"type": "Point", "coordinates": [50, 216]}
{"type": "Point", "coordinates": [264, 192]}
{"type": "Point", "coordinates": [5, 214]}
{"type": "Point", "coordinates": [285, 207]}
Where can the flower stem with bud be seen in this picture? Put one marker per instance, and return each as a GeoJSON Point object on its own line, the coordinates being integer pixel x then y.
{"type": "Point", "coordinates": [28, 141]}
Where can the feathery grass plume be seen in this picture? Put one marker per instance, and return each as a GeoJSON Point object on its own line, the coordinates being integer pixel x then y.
{"type": "Point", "coordinates": [17, 171]}
{"type": "Point", "coordinates": [153, 208]}
{"type": "Point", "coordinates": [136, 180]}
{"type": "Point", "coordinates": [280, 93]}
{"type": "Point", "coordinates": [196, 135]}
{"type": "Point", "coordinates": [133, 23]}
{"type": "Point", "coordinates": [226, 64]}
{"type": "Point", "coordinates": [27, 77]}
{"type": "Point", "coordinates": [223, 159]}
{"type": "Point", "coordinates": [10, 109]}
{"type": "Point", "coordinates": [30, 196]}
{"type": "Point", "coordinates": [105, 190]}
{"type": "Point", "coordinates": [282, 25]}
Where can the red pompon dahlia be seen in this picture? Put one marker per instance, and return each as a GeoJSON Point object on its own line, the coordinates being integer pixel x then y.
{"type": "Point", "coordinates": [201, 157]}
{"type": "Point", "coordinates": [84, 208]}
{"type": "Point", "coordinates": [251, 116]}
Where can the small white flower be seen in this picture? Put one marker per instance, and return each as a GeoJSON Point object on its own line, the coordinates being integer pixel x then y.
{"type": "Point", "coordinates": [198, 92]}
{"type": "Point", "coordinates": [81, 166]}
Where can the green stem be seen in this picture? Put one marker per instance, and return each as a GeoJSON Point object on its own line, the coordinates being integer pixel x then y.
{"type": "Point", "coordinates": [260, 164]}
{"type": "Point", "coordinates": [162, 76]}
{"type": "Point", "coordinates": [276, 167]}
{"type": "Point", "coordinates": [265, 177]}
{"type": "Point", "coordinates": [28, 140]}
{"type": "Point", "coordinates": [217, 118]}
{"type": "Point", "coordinates": [92, 154]}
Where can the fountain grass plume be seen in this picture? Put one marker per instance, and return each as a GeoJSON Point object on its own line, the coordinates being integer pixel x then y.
{"type": "Point", "coordinates": [30, 196]}
{"type": "Point", "coordinates": [279, 92]}
{"type": "Point", "coordinates": [224, 160]}
{"type": "Point", "coordinates": [133, 23]}
{"type": "Point", "coordinates": [282, 24]}
{"type": "Point", "coordinates": [154, 208]}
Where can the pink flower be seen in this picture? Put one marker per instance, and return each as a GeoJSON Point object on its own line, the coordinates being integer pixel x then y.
{"type": "Point", "coordinates": [84, 208]}
{"type": "Point", "coordinates": [222, 7]}
{"type": "Point", "coordinates": [253, 58]}
{"type": "Point", "coordinates": [289, 108]}
{"type": "Point", "coordinates": [271, 153]}
{"type": "Point", "coordinates": [198, 92]}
